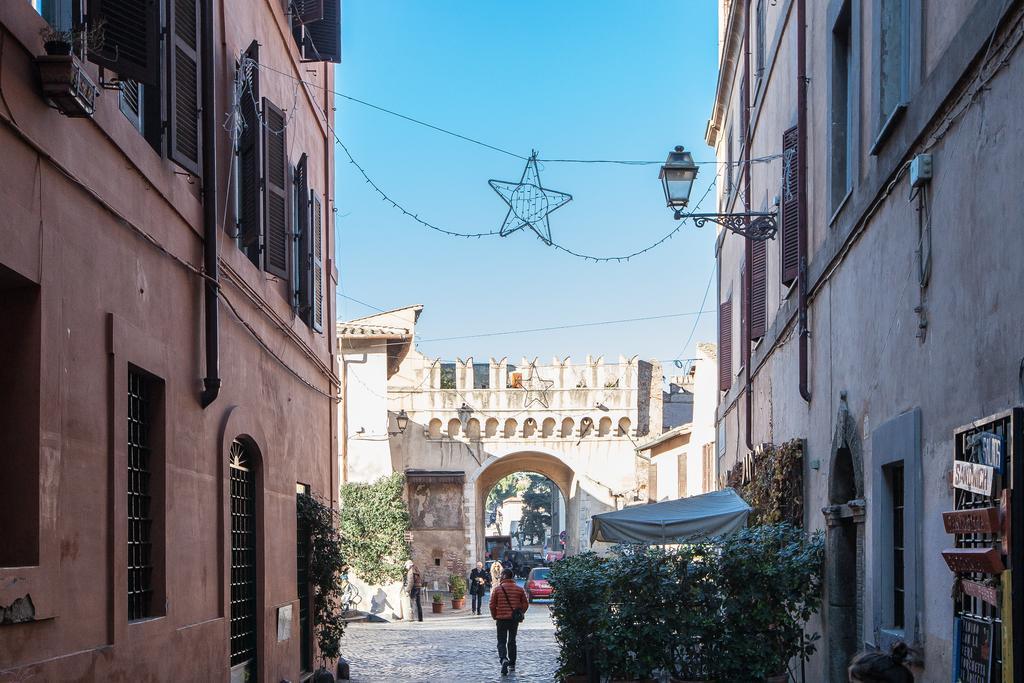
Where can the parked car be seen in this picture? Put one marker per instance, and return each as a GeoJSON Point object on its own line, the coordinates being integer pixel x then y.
{"type": "Point", "coordinates": [537, 586]}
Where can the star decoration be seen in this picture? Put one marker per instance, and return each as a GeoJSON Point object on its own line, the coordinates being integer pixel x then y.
{"type": "Point", "coordinates": [529, 203]}
{"type": "Point", "coordinates": [536, 388]}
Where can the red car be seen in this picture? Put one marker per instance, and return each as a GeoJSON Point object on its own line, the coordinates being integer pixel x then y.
{"type": "Point", "coordinates": [537, 586]}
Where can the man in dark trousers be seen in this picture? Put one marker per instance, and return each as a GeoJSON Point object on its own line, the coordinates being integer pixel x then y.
{"type": "Point", "coordinates": [479, 582]}
{"type": "Point", "coordinates": [508, 601]}
{"type": "Point", "coordinates": [412, 586]}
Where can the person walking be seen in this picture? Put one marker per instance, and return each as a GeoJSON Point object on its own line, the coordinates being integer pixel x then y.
{"type": "Point", "coordinates": [508, 608]}
{"type": "Point", "coordinates": [496, 569]}
{"type": "Point", "coordinates": [412, 586]}
{"type": "Point", "coordinates": [479, 582]}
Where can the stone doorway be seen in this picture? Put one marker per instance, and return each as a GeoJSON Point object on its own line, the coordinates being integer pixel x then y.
{"type": "Point", "coordinates": [844, 550]}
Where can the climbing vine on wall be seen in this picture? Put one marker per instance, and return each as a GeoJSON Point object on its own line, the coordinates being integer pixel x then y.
{"type": "Point", "coordinates": [326, 561]}
{"type": "Point", "coordinates": [374, 521]}
{"type": "Point", "coordinates": [771, 480]}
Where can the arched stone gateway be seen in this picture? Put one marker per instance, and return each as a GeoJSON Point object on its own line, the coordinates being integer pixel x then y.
{"type": "Point", "coordinates": [550, 465]}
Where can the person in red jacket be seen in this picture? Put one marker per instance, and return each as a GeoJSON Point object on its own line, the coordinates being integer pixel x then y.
{"type": "Point", "coordinates": [508, 607]}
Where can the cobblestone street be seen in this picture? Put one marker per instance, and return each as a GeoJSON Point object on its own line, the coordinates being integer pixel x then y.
{"type": "Point", "coordinates": [453, 646]}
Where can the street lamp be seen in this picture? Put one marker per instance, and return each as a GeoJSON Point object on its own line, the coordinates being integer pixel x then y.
{"type": "Point", "coordinates": [677, 175]}
{"type": "Point", "coordinates": [402, 420]}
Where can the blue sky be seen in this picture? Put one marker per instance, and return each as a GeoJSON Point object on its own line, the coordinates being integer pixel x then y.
{"type": "Point", "coordinates": [594, 80]}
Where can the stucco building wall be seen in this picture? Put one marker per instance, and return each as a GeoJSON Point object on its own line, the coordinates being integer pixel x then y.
{"type": "Point", "coordinates": [72, 192]}
{"type": "Point", "coordinates": [866, 303]}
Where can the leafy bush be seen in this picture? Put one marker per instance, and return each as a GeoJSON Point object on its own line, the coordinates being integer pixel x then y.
{"type": "Point", "coordinates": [457, 584]}
{"type": "Point", "coordinates": [728, 610]}
{"type": "Point", "coordinates": [374, 520]}
{"type": "Point", "coordinates": [326, 561]}
{"type": "Point", "coordinates": [771, 576]}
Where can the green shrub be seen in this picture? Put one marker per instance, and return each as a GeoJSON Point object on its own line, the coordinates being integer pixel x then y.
{"type": "Point", "coordinates": [728, 610]}
{"type": "Point", "coordinates": [326, 562]}
{"type": "Point", "coordinates": [374, 520]}
{"type": "Point", "coordinates": [457, 584]}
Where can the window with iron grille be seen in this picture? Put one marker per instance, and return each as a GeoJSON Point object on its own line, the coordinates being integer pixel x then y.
{"type": "Point", "coordinates": [141, 397]}
{"type": "Point", "coordinates": [243, 554]}
{"type": "Point", "coordinates": [895, 477]}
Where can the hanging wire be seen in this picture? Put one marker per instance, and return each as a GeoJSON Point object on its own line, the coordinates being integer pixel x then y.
{"type": "Point", "coordinates": [676, 361]}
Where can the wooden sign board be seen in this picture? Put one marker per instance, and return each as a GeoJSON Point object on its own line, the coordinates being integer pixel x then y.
{"type": "Point", "coordinates": [972, 651]}
{"type": "Point", "coordinates": [977, 521]}
{"type": "Point", "coordinates": [987, 560]}
{"type": "Point", "coordinates": [970, 476]}
{"type": "Point", "coordinates": [989, 594]}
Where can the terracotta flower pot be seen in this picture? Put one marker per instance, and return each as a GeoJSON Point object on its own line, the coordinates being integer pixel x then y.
{"type": "Point", "coordinates": [459, 603]}
{"type": "Point", "coordinates": [437, 607]}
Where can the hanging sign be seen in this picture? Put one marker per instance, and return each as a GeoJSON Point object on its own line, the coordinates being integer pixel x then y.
{"type": "Point", "coordinates": [988, 449]}
{"type": "Point", "coordinates": [976, 521]}
{"type": "Point", "coordinates": [972, 651]}
{"type": "Point", "coordinates": [969, 476]}
{"type": "Point", "coordinates": [983, 592]}
{"type": "Point", "coordinates": [987, 560]}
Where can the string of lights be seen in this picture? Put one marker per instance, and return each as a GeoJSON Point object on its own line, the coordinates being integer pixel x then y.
{"type": "Point", "coordinates": [564, 327]}
{"type": "Point", "coordinates": [466, 138]}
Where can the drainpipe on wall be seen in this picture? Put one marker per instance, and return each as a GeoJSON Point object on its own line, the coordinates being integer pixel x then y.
{"type": "Point", "coordinates": [212, 381]}
{"type": "Point", "coordinates": [748, 266]}
{"type": "Point", "coordinates": [801, 196]}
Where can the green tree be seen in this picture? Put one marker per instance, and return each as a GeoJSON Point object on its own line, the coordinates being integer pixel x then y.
{"type": "Point", "coordinates": [536, 519]}
{"type": "Point", "coordinates": [374, 521]}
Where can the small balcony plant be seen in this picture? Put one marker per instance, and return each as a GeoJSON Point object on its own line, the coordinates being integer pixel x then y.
{"type": "Point", "coordinates": [65, 83]}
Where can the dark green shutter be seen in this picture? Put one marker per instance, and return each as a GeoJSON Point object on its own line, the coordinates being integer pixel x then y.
{"type": "Point", "coordinates": [303, 284]}
{"type": "Point", "coordinates": [789, 230]}
{"type": "Point", "coordinates": [320, 40]}
{"type": "Point", "coordinates": [758, 289]}
{"type": "Point", "coordinates": [307, 11]}
{"type": "Point", "coordinates": [250, 165]}
{"type": "Point", "coordinates": [275, 195]}
{"type": "Point", "coordinates": [131, 38]}
{"type": "Point", "coordinates": [130, 101]}
{"type": "Point", "coordinates": [317, 259]}
{"type": "Point", "coordinates": [183, 85]}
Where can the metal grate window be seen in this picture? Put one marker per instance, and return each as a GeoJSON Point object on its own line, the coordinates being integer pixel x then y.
{"type": "Point", "coordinates": [898, 575]}
{"type": "Point", "coordinates": [243, 555]}
{"type": "Point", "coordinates": [140, 520]}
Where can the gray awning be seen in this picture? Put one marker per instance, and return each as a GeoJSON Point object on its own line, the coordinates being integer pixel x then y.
{"type": "Point", "coordinates": [674, 521]}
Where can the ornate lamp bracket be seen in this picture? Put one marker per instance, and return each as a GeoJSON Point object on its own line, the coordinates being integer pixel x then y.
{"type": "Point", "coordinates": [756, 225]}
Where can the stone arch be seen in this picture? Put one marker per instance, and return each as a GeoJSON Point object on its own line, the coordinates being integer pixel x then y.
{"type": "Point", "coordinates": [604, 427]}
{"type": "Point", "coordinates": [529, 427]}
{"type": "Point", "coordinates": [540, 461]}
{"type": "Point", "coordinates": [454, 427]}
{"type": "Point", "coordinates": [568, 424]}
{"type": "Point", "coordinates": [473, 428]}
{"type": "Point", "coordinates": [547, 428]}
{"type": "Point", "coordinates": [434, 429]}
{"type": "Point", "coordinates": [624, 425]}
{"type": "Point", "coordinates": [586, 427]}
{"type": "Point", "coordinates": [490, 427]}
{"type": "Point", "coordinates": [510, 428]}
{"type": "Point", "coordinates": [844, 537]}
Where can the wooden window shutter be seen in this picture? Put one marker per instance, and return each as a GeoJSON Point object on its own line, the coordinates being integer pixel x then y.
{"type": "Point", "coordinates": [317, 259]}
{"type": "Point", "coordinates": [320, 40]}
{"type": "Point", "coordinates": [725, 345]}
{"type": "Point", "coordinates": [185, 138]}
{"type": "Point", "coordinates": [759, 289]}
{"type": "Point", "coordinates": [790, 219]}
{"type": "Point", "coordinates": [303, 229]}
{"type": "Point", "coordinates": [130, 101]}
{"type": "Point", "coordinates": [131, 38]}
{"type": "Point", "coordinates": [307, 11]}
{"type": "Point", "coordinates": [250, 165]}
{"type": "Point", "coordinates": [275, 194]}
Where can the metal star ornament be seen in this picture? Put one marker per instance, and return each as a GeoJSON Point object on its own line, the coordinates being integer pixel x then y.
{"type": "Point", "coordinates": [536, 388]}
{"type": "Point", "coordinates": [529, 203]}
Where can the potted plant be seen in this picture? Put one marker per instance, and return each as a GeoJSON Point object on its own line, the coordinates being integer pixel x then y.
{"type": "Point", "coordinates": [457, 585]}
{"type": "Point", "coordinates": [65, 84]}
{"type": "Point", "coordinates": [438, 603]}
